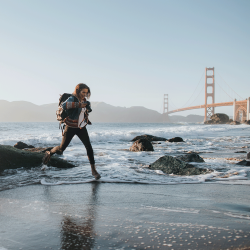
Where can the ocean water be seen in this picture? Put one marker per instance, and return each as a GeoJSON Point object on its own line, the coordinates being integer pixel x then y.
{"type": "Point", "coordinates": [217, 144]}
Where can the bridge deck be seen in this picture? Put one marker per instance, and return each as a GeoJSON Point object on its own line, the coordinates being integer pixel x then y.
{"type": "Point", "coordinates": [208, 105]}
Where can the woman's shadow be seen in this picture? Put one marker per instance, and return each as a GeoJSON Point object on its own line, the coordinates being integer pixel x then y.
{"type": "Point", "coordinates": [79, 234]}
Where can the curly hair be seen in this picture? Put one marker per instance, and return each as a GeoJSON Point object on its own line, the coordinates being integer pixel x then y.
{"type": "Point", "coordinates": [78, 89]}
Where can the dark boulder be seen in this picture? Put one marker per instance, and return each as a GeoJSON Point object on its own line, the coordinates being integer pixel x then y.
{"type": "Point", "coordinates": [208, 122]}
{"type": "Point", "coordinates": [149, 138]}
{"type": "Point", "coordinates": [247, 122]}
{"type": "Point", "coordinates": [172, 165]}
{"type": "Point", "coordinates": [248, 155]}
{"type": "Point", "coordinates": [22, 145]}
{"type": "Point", "coordinates": [193, 157]}
{"type": "Point", "coordinates": [142, 145]}
{"type": "Point", "coordinates": [175, 139]}
{"type": "Point", "coordinates": [234, 123]}
{"type": "Point", "coordinates": [240, 152]}
{"type": "Point", "coordinates": [218, 119]}
{"type": "Point", "coordinates": [12, 158]}
{"type": "Point", "coordinates": [38, 150]}
{"type": "Point", "coordinates": [244, 163]}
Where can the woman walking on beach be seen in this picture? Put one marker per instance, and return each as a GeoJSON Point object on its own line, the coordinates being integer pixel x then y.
{"type": "Point", "coordinates": [76, 108]}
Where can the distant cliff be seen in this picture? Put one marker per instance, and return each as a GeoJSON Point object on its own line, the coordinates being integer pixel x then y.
{"type": "Point", "coordinates": [22, 111]}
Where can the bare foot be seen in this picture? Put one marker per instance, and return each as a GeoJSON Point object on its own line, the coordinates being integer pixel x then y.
{"type": "Point", "coordinates": [95, 173]}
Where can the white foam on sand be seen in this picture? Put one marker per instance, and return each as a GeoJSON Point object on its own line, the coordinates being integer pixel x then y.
{"type": "Point", "coordinates": [117, 173]}
{"type": "Point", "coordinates": [170, 209]}
{"type": "Point", "coordinates": [241, 216]}
{"type": "Point", "coordinates": [110, 180]}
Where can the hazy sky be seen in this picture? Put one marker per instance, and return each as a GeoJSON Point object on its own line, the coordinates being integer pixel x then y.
{"type": "Point", "coordinates": [129, 52]}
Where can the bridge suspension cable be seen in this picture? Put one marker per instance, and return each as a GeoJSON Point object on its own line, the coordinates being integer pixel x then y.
{"type": "Point", "coordinates": [172, 104]}
{"type": "Point", "coordinates": [202, 90]}
{"type": "Point", "coordinates": [224, 91]}
{"type": "Point", "coordinates": [194, 91]}
{"type": "Point", "coordinates": [229, 87]}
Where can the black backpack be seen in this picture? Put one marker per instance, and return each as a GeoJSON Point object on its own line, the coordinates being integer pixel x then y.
{"type": "Point", "coordinates": [61, 114]}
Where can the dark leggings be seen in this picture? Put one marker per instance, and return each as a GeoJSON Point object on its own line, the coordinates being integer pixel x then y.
{"type": "Point", "coordinates": [67, 137]}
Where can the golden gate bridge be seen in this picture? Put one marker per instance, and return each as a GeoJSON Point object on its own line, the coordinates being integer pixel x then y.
{"type": "Point", "coordinates": [241, 108]}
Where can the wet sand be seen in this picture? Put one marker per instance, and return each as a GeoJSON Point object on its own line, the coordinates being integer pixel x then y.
{"type": "Point", "coordinates": [125, 216]}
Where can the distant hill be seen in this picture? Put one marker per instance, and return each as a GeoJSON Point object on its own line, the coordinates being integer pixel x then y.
{"type": "Point", "coordinates": [22, 111]}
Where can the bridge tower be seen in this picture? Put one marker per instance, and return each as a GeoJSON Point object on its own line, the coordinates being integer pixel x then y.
{"type": "Point", "coordinates": [209, 82]}
{"type": "Point", "coordinates": [165, 103]}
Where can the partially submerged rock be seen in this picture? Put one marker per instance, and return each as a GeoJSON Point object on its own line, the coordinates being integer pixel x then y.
{"type": "Point", "coordinates": [22, 145]}
{"type": "Point", "coordinates": [172, 165]}
{"type": "Point", "coordinates": [244, 163]}
{"type": "Point", "coordinates": [175, 139]}
{"type": "Point", "coordinates": [142, 145]}
{"type": "Point", "coordinates": [218, 119]}
{"type": "Point", "coordinates": [234, 123]}
{"type": "Point", "coordinates": [247, 122]}
{"type": "Point", "coordinates": [149, 138]}
{"type": "Point", "coordinates": [38, 150]}
{"type": "Point", "coordinates": [248, 155]}
{"type": "Point", "coordinates": [12, 158]}
{"type": "Point", "coordinates": [193, 157]}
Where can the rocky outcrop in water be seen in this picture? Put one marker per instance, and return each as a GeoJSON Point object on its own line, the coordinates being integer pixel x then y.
{"type": "Point", "coordinates": [38, 150]}
{"type": "Point", "coordinates": [22, 145]}
{"type": "Point", "coordinates": [142, 145]}
{"type": "Point", "coordinates": [149, 138]}
{"type": "Point", "coordinates": [244, 163]}
{"type": "Point", "coordinates": [156, 138]}
{"type": "Point", "coordinates": [175, 139]}
{"type": "Point", "coordinates": [234, 123]}
{"type": "Point", "coordinates": [231, 122]}
{"type": "Point", "coordinates": [218, 119]}
{"type": "Point", "coordinates": [193, 157]}
{"type": "Point", "coordinates": [12, 158]}
{"type": "Point", "coordinates": [172, 165]}
{"type": "Point", "coordinates": [247, 122]}
{"type": "Point", "coordinates": [248, 155]}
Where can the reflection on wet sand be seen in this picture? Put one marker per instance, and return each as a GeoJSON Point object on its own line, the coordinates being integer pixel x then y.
{"type": "Point", "coordinates": [79, 233]}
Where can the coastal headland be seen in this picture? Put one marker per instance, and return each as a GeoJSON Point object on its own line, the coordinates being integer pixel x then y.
{"type": "Point", "coordinates": [103, 112]}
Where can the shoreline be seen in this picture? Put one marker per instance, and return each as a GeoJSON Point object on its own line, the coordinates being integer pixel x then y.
{"type": "Point", "coordinates": [109, 216]}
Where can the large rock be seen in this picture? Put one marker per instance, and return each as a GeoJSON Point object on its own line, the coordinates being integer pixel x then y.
{"type": "Point", "coordinates": [234, 123]}
{"type": "Point", "coordinates": [172, 165]}
{"type": "Point", "coordinates": [248, 155]}
{"type": "Point", "coordinates": [247, 122]}
{"type": "Point", "coordinates": [149, 138]}
{"type": "Point", "coordinates": [176, 139]}
{"type": "Point", "coordinates": [218, 119]}
{"type": "Point", "coordinates": [192, 157]}
{"type": "Point", "coordinates": [38, 150]}
{"type": "Point", "coordinates": [22, 145]}
{"type": "Point", "coordinates": [142, 145]}
{"type": "Point", "coordinates": [12, 158]}
{"type": "Point", "coordinates": [244, 163]}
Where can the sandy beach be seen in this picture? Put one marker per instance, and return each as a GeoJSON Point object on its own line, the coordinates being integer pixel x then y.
{"type": "Point", "coordinates": [125, 216]}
